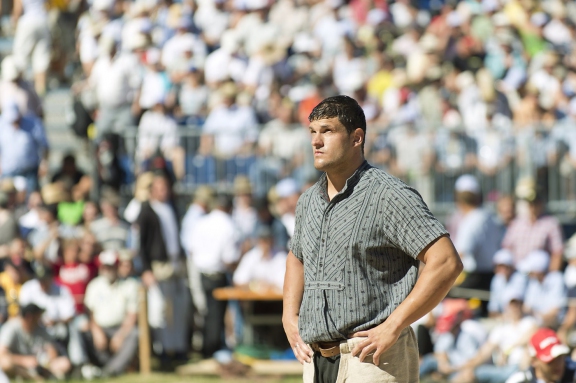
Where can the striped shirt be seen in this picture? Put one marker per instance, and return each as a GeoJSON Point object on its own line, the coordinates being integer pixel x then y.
{"type": "Point", "coordinates": [359, 252]}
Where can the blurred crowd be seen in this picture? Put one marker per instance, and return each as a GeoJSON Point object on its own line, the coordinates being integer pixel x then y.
{"type": "Point", "coordinates": [463, 99]}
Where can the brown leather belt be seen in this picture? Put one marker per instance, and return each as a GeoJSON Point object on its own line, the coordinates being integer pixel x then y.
{"type": "Point", "coordinates": [327, 349]}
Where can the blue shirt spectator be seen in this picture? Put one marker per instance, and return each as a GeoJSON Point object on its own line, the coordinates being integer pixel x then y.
{"type": "Point", "coordinates": [505, 280]}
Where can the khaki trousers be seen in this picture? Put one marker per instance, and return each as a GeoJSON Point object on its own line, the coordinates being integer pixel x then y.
{"type": "Point", "coordinates": [397, 365]}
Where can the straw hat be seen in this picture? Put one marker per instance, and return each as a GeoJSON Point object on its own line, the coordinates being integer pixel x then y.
{"type": "Point", "coordinates": [54, 193]}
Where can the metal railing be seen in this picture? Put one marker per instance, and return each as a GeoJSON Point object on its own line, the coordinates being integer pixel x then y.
{"type": "Point", "coordinates": [556, 176]}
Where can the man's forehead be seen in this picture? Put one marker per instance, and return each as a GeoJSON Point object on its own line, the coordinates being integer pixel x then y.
{"type": "Point", "coordinates": [326, 122]}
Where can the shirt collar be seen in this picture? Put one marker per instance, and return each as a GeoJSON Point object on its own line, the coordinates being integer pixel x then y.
{"type": "Point", "coordinates": [350, 182]}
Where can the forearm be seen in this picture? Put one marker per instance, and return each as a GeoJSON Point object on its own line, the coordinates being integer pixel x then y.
{"type": "Point", "coordinates": [293, 287]}
{"type": "Point", "coordinates": [556, 262]}
{"type": "Point", "coordinates": [128, 324]}
{"type": "Point", "coordinates": [433, 284]}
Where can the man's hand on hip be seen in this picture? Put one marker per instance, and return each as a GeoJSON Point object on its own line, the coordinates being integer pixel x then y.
{"type": "Point", "coordinates": [378, 340]}
{"type": "Point", "coordinates": [302, 351]}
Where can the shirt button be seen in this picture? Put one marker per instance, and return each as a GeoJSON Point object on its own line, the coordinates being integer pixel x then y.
{"type": "Point", "coordinates": [322, 240]}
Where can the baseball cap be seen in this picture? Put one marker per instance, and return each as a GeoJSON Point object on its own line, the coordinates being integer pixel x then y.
{"type": "Point", "coordinates": [467, 183]}
{"type": "Point", "coordinates": [537, 261]}
{"type": "Point", "coordinates": [546, 346]}
{"type": "Point", "coordinates": [513, 294]}
{"type": "Point", "coordinates": [286, 188]}
{"type": "Point", "coordinates": [503, 257]}
{"type": "Point", "coordinates": [31, 308]}
{"type": "Point", "coordinates": [42, 271]}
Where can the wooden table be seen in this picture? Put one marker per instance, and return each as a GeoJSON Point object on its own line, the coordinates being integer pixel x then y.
{"type": "Point", "coordinates": [249, 297]}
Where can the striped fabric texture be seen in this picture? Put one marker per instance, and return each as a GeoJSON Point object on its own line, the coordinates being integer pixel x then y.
{"type": "Point", "coordinates": [359, 252]}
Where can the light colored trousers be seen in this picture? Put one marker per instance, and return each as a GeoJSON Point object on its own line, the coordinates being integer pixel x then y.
{"type": "Point", "coordinates": [397, 365]}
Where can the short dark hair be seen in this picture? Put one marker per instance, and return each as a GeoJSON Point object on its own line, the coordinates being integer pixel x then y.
{"type": "Point", "coordinates": [348, 111]}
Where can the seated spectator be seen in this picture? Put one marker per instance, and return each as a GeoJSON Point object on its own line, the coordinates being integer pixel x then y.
{"type": "Point", "coordinates": [73, 274]}
{"type": "Point", "coordinates": [479, 236]}
{"type": "Point", "coordinates": [27, 351]}
{"type": "Point", "coordinates": [550, 363]}
{"type": "Point", "coordinates": [505, 279]}
{"type": "Point", "coordinates": [11, 280]}
{"type": "Point", "coordinates": [90, 214]}
{"type": "Point", "coordinates": [44, 239]}
{"type": "Point", "coordinates": [8, 225]}
{"type": "Point", "coordinates": [230, 128]}
{"type": "Point", "coordinates": [455, 347]}
{"type": "Point", "coordinates": [262, 268]}
{"type": "Point", "coordinates": [193, 98]}
{"type": "Point", "coordinates": [56, 301]}
{"type": "Point", "coordinates": [14, 87]}
{"type": "Point", "coordinates": [507, 344]}
{"type": "Point", "coordinates": [23, 145]}
{"type": "Point", "coordinates": [110, 231]}
{"type": "Point", "coordinates": [546, 294]}
{"type": "Point", "coordinates": [532, 229]}
{"type": "Point", "coordinates": [158, 133]}
{"type": "Point", "coordinates": [267, 219]}
{"type": "Point", "coordinates": [113, 304]}
{"type": "Point", "coordinates": [69, 173]}
{"type": "Point", "coordinates": [288, 192]}
{"type": "Point", "coordinates": [31, 220]}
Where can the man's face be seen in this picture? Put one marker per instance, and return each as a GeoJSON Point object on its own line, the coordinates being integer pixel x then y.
{"type": "Point", "coordinates": [331, 144]}
{"type": "Point", "coordinates": [160, 190]}
{"type": "Point", "coordinates": [553, 371]}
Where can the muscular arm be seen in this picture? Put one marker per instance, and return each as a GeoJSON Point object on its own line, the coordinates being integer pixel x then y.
{"type": "Point", "coordinates": [443, 265]}
{"type": "Point", "coordinates": [293, 293]}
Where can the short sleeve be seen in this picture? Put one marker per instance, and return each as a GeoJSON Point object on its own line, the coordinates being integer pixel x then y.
{"type": "Point", "coordinates": [556, 242]}
{"type": "Point", "coordinates": [295, 246]}
{"type": "Point", "coordinates": [408, 222]}
{"type": "Point", "coordinates": [89, 297]}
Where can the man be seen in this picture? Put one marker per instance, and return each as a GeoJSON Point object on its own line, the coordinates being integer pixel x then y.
{"type": "Point", "coordinates": [532, 229]}
{"type": "Point", "coordinates": [110, 231]}
{"type": "Point", "coordinates": [57, 302]}
{"type": "Point", "coordinates": [26, 349]}
{"type": "Point", "coordinates": [113, 306]}
{"type": "Point", "coordinates": [546, 293]}
{"type": "Point", "coordinates": [479, 236]}
{"type": "Point", "coordinates": [23, 146]}
{"type": "Point", "coordinates": [214, 244]}
{"type": "Point", "coordinates": [356, 294]}
{"type": "Point", "coordinates": [164, 266]}
{"type": "Point", "coordinates": [11, 280]}
{"type": "Point", "coordinates": [505, 279]}
{"type": "Point", "coordinates": [550, 363]}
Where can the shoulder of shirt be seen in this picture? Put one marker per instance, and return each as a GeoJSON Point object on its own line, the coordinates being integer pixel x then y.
{"type": "Point", "coordinates": [519, 377]}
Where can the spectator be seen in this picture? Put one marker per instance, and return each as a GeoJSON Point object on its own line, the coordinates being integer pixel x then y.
{"type": "Point", "coordinates": [163, 261]}
{"type": "Point", "coordinates": [533, 229]}
{"type": "Point", "coordinates": [110, 231]}
{"type": "Point", "coordinates": [69, 174]}
{"type": "Point", "coordinates": [566, 330]}
{"type": "Point", "coordinates": [549, 362]}
{"type": "Point", "coordinates": [27, 351]}
{"type": "Point", "coordinates": [32, 41]}
{"type": "Point", "coordinates": [113, 305]}
{"type": "Point", "coordinates": [11, 280]}
{"type": "Point", "coordinates": [8, 225]}
{"type": "Point", "coordinates": [44, 239]}
{"type": "Point", "coordinates": [214, 244]}
{"type": "Point", "coordinates": [266, 219]}
{"type": "Point", "coordinates": [244, 214]}
{"type": "Point", "coordinates": [230, 128]}
{"type": "Point", "coordinates": [262, 268]}
{"type": "Point", "coordinates": [157, 133]}
{"type": "Point", "coordinates": [455, 347]}
{"type": "Point", "coordinates": [507, 344]}
{"type": "Point", "coordinates": [58, 304]}
{"type": "Point", "coordinates": [23, 146]}
{"type": "Point", "coordinates": [193, 98]}
{"type": "Point", "coordinates": [479, 236]}
{"type": "Point", "coordinates": [506, 280]}
{"type": "Point", "coordinates": [14, 87]}
{"type": "Point", "coordinates": [288, 194]}
{"type": "Point", "coordinates": [546, 293]}
{"type": "Point", "coordinates": [31, 220]}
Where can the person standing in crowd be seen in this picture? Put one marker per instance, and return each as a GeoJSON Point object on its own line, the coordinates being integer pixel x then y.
{"type": "Point", "coordinates": [532, 229]}
{"type": "Point", "coordinates": [23, 146]}
{"type": "Point", "coordinates": [550, 363]}
{"type": "Point", "coordinates": [32, 41]}
{"type": "Point", "coordinates": [333, 306]}
{"type": "Point", "coordinates": [164, 266]}
{"type": "Point", "coordinates": [215, 248]}
{"type": "Point", "coordinates": [113, 306]}
{"type": "Point", "coordinates": [505, 279]}
{"type": "Point", "coordinates": [479, 236]}
{"type": "Point", "coordinates": [26, 349]}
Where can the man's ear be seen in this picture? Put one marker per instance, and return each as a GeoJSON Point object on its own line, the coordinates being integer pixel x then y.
{"type": "Point", "coordinates": [358, 136]}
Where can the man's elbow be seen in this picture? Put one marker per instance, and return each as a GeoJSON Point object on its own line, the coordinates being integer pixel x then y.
{"type": "Point", "coordinates": [454, 266]}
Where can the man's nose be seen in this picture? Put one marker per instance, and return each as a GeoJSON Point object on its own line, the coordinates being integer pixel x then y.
{"type": "Point", "coordinates": [316, 140]}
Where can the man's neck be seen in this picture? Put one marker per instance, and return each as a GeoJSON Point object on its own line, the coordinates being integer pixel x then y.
{"type": "Point", "coordinates": [337, 178]}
